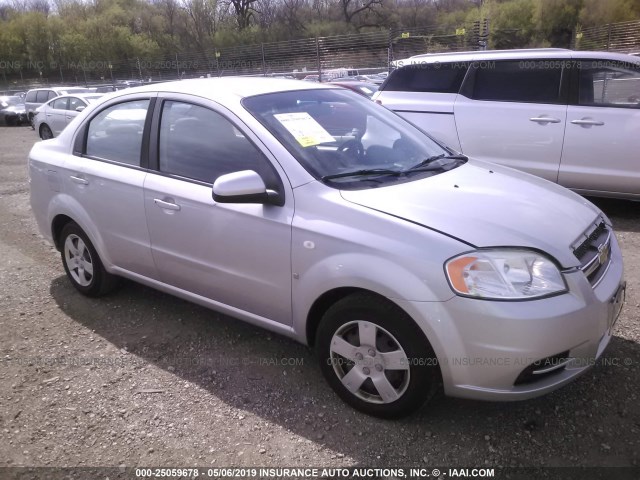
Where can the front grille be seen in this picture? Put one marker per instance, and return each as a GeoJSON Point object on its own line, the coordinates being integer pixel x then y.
{"type": "Point", "coordinates": [593, 249]}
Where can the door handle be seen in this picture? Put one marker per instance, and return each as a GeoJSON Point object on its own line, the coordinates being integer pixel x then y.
{"type": "Point", "coordinates": [48, 114]}
{"type": "Point", "coordinates": [166, 205]}
{"type": "Point", "coordinates": [545, 120]}
{"type": "Point", "coordinates": [587, 122]}
{"type": "Point", "coordinates": [79, 180]}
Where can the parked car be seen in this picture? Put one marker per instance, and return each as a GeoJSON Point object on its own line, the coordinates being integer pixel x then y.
{"type": "Point", "coordinates": [363, 88]}
{"type": "Point", "coordinates": [104, 89]}
{"type": "Point", "coordinates": [12, 111]}
{"type": "Point", "coordinates": [570, 117]}
{"type": "Point", "coordinates": [52, 117]}
{"type": "Point", "coordinates": [38, 96]}
{"type": "Point", "coordinates": [371, 79]}
{"type": "Point", "coordinates": [319, 215]}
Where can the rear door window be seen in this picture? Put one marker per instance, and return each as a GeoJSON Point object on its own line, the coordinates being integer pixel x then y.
{"type": "Point", "coordinates": [116, 132]}
{"type": "Point", "coordinates": [531, 81]}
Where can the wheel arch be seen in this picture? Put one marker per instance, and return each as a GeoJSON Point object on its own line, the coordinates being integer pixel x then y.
{"type": "Point", "coordinates": [57, 224]}
{"type": "Point", "coordinates": [329, 298]}
{"type": "Point", "coordinates": [64, 209]}
{"type": "Point", "coordinates": [42, 125]}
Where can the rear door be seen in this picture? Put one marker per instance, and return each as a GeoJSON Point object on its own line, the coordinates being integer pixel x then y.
{"type": "Point", "coordinates": [602, 138]}
{"type": "Point", "coordinates": [105, 175]}
{"type": "Point", "coordinates": [513, 113]}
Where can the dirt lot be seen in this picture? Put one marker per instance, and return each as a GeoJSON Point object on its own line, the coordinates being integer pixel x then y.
{"type": "Point", "coordinates": [142, 378]}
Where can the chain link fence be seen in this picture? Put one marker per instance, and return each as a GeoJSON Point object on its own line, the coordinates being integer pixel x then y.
{"type": "Point", "coordinates": [326, 57]}
{"type": "Point", "coordinates": [623, 37]}
{"type": "Point", "coordinates": [367, 52]}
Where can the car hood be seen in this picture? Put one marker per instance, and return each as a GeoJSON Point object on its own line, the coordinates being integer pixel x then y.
{"type": "Point", "coordinates": [14, 108]}
{"type": "Point", "coordinates": [485, 205]}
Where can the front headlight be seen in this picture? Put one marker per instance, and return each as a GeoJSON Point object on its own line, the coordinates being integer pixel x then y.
{"type": "Point", "coordinates": [504, 275]}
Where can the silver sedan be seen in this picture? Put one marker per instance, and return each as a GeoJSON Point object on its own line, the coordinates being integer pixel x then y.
{"type": "Point", "coordinates": [52, 117]}
{"type": "Point", "coordinates": [313, 212]}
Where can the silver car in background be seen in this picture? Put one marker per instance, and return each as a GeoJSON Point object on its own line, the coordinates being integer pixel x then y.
{"type": "Point", "coordinates": [52, 117]}
{"type": "Point", "coordinates": [315, 213]}
{"type": "Point", "coordinates": [37, 96]}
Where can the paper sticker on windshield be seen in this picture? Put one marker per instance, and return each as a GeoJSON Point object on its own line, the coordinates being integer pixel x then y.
{"type": "Point", "coordinates": [304, 128]}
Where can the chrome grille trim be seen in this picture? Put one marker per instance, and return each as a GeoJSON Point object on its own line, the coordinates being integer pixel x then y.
{"type": "Point", "coordinates": [597, 252]}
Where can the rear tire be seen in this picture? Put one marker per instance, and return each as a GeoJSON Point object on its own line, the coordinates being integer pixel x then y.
{"type": "Point", "coordinates": [82, 263]}
{"type": "Point", "coordinates": [375, 357]}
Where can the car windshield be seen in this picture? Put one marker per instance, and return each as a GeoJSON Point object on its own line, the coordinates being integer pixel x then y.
{"type": "Point", "coordinates": [347, 140]}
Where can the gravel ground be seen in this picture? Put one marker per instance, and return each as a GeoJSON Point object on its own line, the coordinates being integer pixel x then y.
{"type": "Point", "coordinates": [142, 378]}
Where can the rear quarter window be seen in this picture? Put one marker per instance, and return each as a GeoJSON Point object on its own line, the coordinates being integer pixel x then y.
{"type": "Point", "coordinates": [431, 77]}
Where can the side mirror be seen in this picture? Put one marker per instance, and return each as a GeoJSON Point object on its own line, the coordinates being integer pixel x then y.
{"type": "Point", "coordinates": [245, 186]}
{"type": "Point", "coordinates": [80, 108]}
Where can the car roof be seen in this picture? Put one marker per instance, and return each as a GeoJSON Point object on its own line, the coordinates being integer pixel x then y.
{"type": "Point", "coordinates": [355, 83]}
{"type": "Point", "coordinates": [518, 54]}
{"type": "Point", "coordinates": [57, 89]}
{"type": "Point", "coordinates": [80, 95]}
{"type": "Point", "coordinates": [219, 89]}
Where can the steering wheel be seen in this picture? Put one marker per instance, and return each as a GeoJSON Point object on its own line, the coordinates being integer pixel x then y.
{"type": "Point", "coordinates": [353, 149]}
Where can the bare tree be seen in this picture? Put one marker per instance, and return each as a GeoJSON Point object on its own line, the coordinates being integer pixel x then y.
{"type": "Point", "coordinates": [290, 14]}
{"type": "Point", "coordinates": [202, 18]}
{"type": "Point", "coordinates": [267, 13]}
{"type": "Point", "coordinates": [360, 8]}
{"type": "Point", "coordinates": [244, 10]}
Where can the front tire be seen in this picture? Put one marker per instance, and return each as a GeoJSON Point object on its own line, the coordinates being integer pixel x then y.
{"type": "Point", "coordinates": [375, 357]}
{"type": "Point", "coordinates": [45, 132]}
{"type": "Point", "coordinates": [82, 263]}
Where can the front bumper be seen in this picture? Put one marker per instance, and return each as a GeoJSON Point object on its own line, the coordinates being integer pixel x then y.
{"type": "Point", "coordinates": [484, 347]}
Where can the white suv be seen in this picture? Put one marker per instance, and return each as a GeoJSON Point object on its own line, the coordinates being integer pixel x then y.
{"type": "Point", "coordinates": [570, 117]}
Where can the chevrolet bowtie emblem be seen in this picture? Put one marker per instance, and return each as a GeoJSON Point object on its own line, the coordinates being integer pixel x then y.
{"type": "Point", "coordinates": [603, 253]}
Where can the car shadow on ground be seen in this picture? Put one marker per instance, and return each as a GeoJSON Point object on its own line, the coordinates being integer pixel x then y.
{"type": "Point", "coordinates": [279, 381]}
{"type": "Point", "coordinates": [623, 213]}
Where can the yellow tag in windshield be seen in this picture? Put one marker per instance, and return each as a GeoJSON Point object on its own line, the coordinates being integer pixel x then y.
{"type": "Point", "coordinates": [304, 128]}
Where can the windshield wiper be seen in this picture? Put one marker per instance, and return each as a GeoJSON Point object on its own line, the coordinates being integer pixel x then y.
{"type": "Point", "coordinates": [363, 172]}
{"type": "Point", "coordinates": [424, 165]}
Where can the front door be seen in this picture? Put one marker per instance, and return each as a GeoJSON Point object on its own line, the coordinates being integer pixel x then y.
{"type": "Point", "coordinates": [235, 254]}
